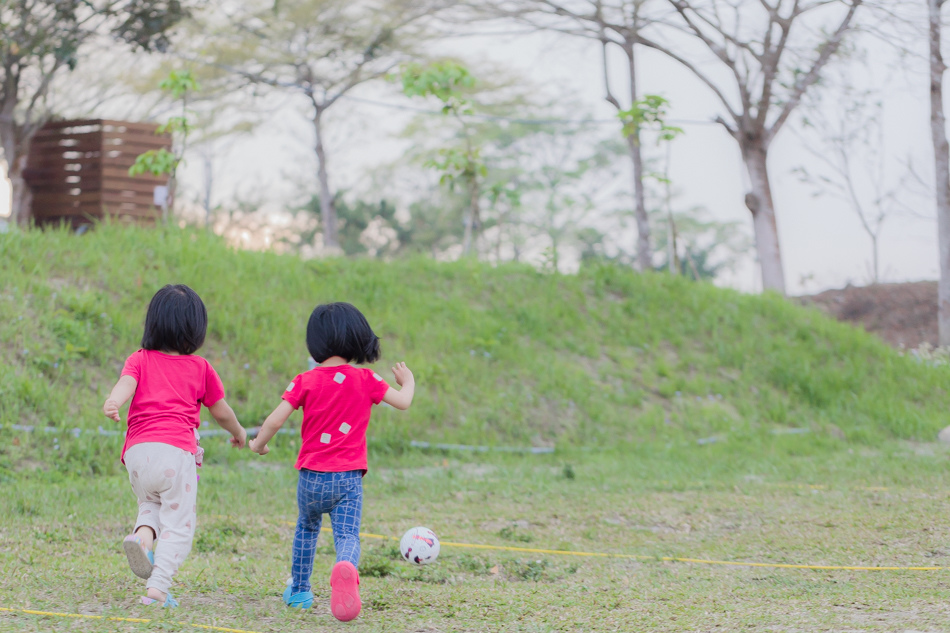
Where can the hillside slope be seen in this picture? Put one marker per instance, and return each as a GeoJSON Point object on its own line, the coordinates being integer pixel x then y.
{"type": "Point", "coordinates": [503, 355]}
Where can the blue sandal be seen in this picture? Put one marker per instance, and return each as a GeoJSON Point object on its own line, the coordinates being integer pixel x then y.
{"type": "Point", "coordinates": [169, 603]}
{"type": "Point", "coordinates": [299, 600]}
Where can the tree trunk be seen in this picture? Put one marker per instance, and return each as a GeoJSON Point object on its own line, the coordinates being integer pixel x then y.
{"type": "Point", "coordinates": [21, 206]}
{"type": "Point", "coordinates": [471, 219]}
{"type": "Point", "coordinates": [759, 202]}
{"type": "Point", "coordinates": [938, 132]}
{"type": "Point", "coordinates": [15, 157]}
{"type": "Point", "coordinates": [327, 209]}
{"type": "Point", "coordinates": [644, 250]}
{"type": "Point", "coordinates": [875, 260]}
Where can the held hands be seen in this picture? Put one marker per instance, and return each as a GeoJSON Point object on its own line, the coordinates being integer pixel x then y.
{"type": "Point", "coordinates": [238, 441]}
{"type": "Point", "coordinates": [403, 375]}
{"type": "Point", "coordinates": [258, 448]}
{"type": "Point", "coordinates": [111, 410]}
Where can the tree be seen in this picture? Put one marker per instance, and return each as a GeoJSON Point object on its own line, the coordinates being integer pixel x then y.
{"type": "Point", "coordinates": [938, 132]}
{"type": "Point", "coordinates": [366, 228]}
{"type": "Point", "coordinates": [769, 65]}
{"type": "Point", "coordinates": [769, 84]}
{"type": "Point", "coordinates": [615, 23]}
{"type": "Point", "coordinates": [850, 159]}
{"type": "Point", "coordinates": [41, 40]}
{"type": "Point", "coordinates": [450, 83]}
{"type": "Point", "coordinates": [322, 50]}
{"type": "Point", "coordinates": [162, 162]}
{"type": "Point", "coordinates": [651, 113]}
{"type": "Point", "coordinates": [704, 247]}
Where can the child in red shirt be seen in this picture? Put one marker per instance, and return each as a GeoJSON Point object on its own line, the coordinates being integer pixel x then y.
{"type": "Point", "coordinates": [336, 399]}
{"type": "Point", "coordinates": [167, 384]}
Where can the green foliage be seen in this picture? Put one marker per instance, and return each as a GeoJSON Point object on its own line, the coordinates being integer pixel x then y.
{"type": "Point", "coordinates": [458, 165]}
{"type": "Point", "coordinates": [156, 162]}
{"type": "Point", "coordinates": [648, 113]}
{"type": "Point", "coordinates": [179, 83]}
{"type": "Point", "coordinates": [503, 355]}
{"type": "Point", "coordinates": [161, 162]}
{"type": "Point", "coordinates": [706, 247]}
{"type": "Point", "coordinates": [446, 80]}
{"type": "Point", "coordinates": [354, 218]}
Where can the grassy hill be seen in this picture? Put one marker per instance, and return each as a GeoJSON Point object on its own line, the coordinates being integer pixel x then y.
{"type": "Point", "coordinates": [503, 355]}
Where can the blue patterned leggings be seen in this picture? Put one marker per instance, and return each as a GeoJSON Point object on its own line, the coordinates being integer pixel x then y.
{"type": "Point", "coordinates": [341, 496]}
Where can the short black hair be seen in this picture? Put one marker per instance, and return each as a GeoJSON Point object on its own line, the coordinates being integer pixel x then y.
{"type": "Point", "coordinates": [176, 321]}
{"type": "Point", "coordinates": [339, 329]}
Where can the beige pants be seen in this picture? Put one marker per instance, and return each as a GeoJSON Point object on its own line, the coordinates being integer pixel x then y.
{"type": "Point", "coordinates": [165, 482]}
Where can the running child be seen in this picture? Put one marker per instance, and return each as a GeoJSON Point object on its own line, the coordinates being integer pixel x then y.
{"type": "Point", "coordinates": [167, 384]}
{"type": "Point", "coordinates": [336, 399]}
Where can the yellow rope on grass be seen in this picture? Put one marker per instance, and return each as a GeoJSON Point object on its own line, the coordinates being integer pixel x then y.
{"type": "Point", "coordinates": [82, 616]}
{"type": "Point", "coordinates": [668, 559]}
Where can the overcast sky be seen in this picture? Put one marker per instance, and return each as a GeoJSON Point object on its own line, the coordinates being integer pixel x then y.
{"type": "Point", "coordinates": [821, 239]}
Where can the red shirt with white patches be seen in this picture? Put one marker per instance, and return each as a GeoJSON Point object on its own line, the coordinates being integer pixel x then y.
{"type": "Point", "coordinates": [336, 405]}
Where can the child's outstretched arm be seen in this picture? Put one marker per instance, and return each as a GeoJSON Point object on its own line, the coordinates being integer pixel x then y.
{"type": "Point", "coordinates": [123, 390]}
{"type": "Point", "coordinates": [270, 427]}
{"type": "Point", "coordinates": [402, 398]}
{"type": "Point", "coordinates": [223, 414]}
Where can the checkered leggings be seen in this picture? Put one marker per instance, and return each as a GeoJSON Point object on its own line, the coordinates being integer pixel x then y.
{"type": "Point", "coordinates": [341, 496]}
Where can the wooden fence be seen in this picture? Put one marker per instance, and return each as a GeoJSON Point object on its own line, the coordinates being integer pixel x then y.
{"type": "Point", "coordinates": [78, 171]}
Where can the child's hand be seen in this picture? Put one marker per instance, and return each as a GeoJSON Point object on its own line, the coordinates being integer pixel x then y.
{"type": "Point", "coordinates": [403, 375]}
{"type": "Point", "coordinates": [255, 446]}
{"type": "Point", "coordinates": [238, 441]}
{"type": "Point", "coordinates": [111, 409]}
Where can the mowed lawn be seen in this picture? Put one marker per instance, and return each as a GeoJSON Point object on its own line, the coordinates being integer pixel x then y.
{"type": "Point", "coordinates": [783, 500]}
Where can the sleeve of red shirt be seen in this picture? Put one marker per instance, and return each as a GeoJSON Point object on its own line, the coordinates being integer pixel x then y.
{"type": "Point", "coordinates": [377, 387]}
{"type": "Point", "coordinates": [133, 365]}
{"type": "Point", "coordinates": [214, 388]}
{"type": "Point", "coordinates": [294, 392]}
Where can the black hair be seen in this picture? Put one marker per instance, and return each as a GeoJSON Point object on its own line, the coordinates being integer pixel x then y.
{"type": "Point", "coordinates": [339, 329]}
{"type": "Point", "coordinates": [176, 321]}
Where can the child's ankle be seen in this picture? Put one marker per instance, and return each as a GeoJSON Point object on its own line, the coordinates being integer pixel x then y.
{"type": "Point", "coordinates": [155, 594]}
{"type": "Point", "coordinates": [146, 535]}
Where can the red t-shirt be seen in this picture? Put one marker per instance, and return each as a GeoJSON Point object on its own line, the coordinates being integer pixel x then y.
{"type": "Point", "coordinates": [336, 405]}
{"type": "Point", "coordinates": [168, 398]}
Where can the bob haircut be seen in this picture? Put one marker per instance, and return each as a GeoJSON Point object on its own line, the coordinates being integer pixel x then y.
{"type": "Point", "coordinates": [339, 329]}
{"type": "Point", "coordinates": [176, 321]}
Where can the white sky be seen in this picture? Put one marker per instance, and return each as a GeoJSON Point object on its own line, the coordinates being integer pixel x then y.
{"type": "Point", "coordinates": [822, 243]}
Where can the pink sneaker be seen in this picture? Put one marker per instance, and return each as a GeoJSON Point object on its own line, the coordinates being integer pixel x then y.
{"type": "Point", "coordinates": [345, 591]}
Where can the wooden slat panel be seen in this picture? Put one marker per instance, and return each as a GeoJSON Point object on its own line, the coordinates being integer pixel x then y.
{"type": "Point", "coordinates": [79, 169]}
{"type": "Point", "coordinates": [65, 198]}
{"type": "Point", "coordinates": [56, 125]}
{"type": "Point", "coordinates": [128, 125]}
{"type": "Point", "coordinates": [145, 188]}
{"type": "Point", "coordinates": [61, 210]}
{"type": "Point", "coordinates": [51, 142]}
{"type": "Point", "coordinates": [116, 173]}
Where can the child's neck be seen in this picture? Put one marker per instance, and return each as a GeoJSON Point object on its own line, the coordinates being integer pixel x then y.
{"type": "Point", "coordinates": [334, 361]}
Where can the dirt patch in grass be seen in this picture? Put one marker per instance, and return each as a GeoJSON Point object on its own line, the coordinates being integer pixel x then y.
{"type": "Point", "coordinates": [904, 315]}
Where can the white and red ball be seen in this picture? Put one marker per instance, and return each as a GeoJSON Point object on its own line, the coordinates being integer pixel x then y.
{"type": "Point", "coordinates": [419, 545]}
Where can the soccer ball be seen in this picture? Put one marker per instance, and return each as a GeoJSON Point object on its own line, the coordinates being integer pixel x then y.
{"type": "Point", "coordinates": [420, 546]}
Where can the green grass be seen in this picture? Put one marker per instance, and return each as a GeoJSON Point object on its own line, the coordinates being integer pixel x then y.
{"type": "Point", "coordinates": [59, 544]}
{"type": "Point", "coordinates": [622, 373]}
{"type": "Point", "coordinates": [503, 355]}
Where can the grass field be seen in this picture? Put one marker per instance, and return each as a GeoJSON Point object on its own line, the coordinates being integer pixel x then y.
{"type": "Point", "coordinates": [793, 503]}
{"type": "Point", "coordinates": [688, 422]}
